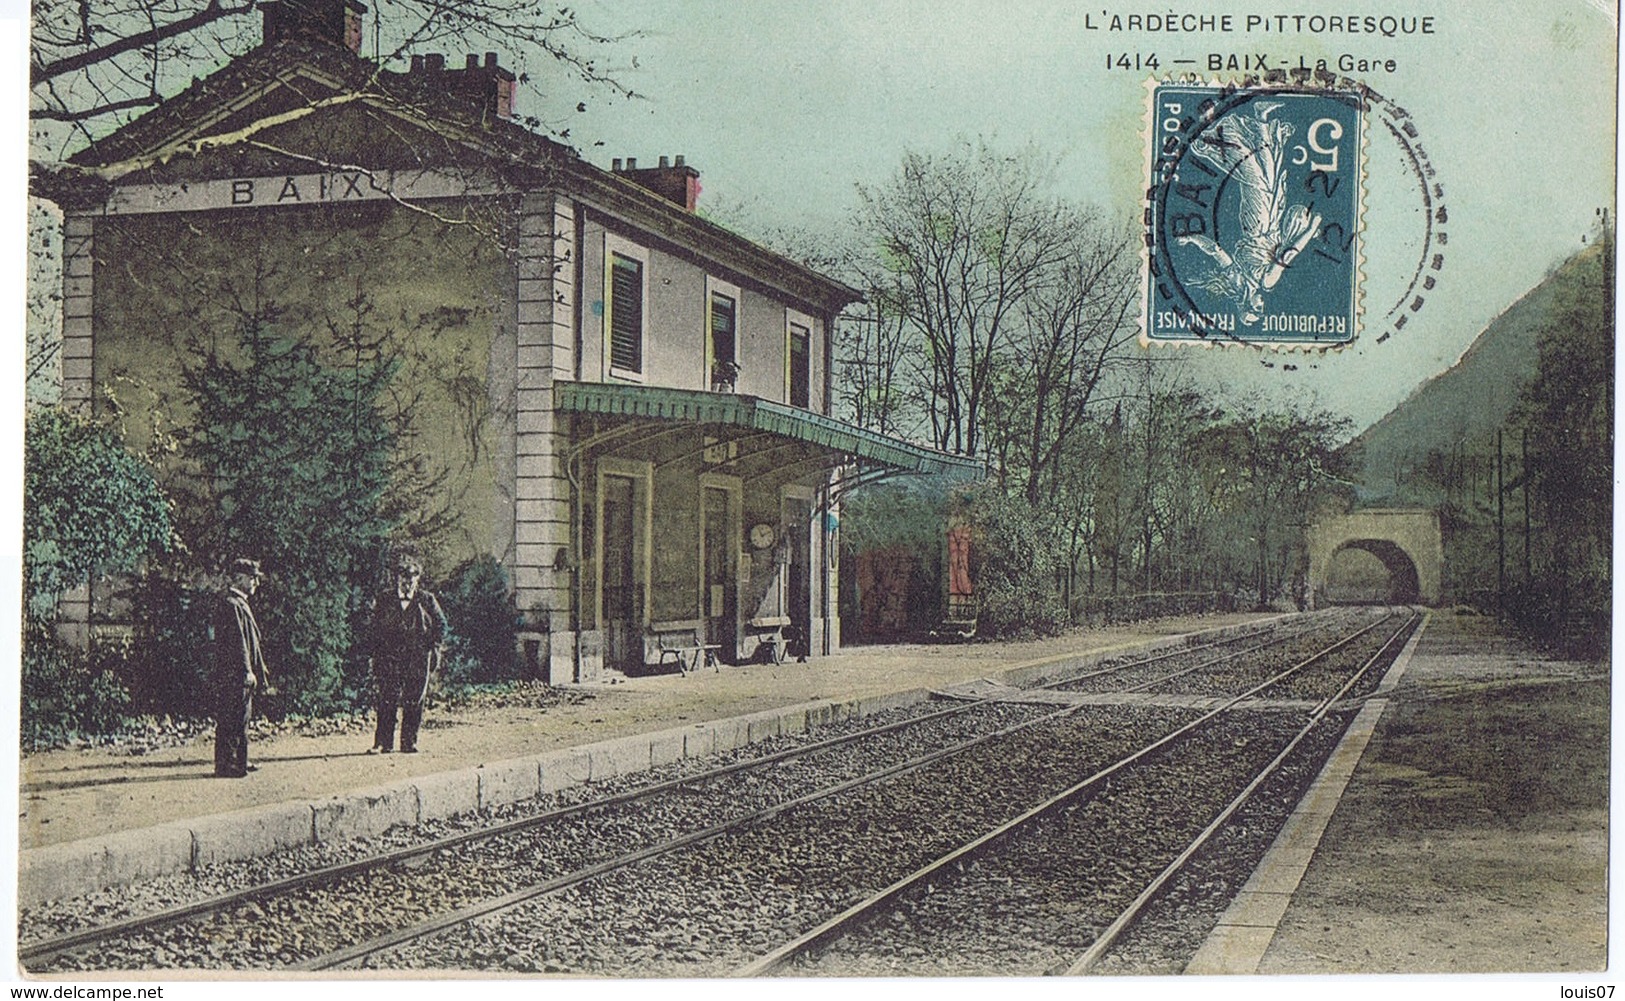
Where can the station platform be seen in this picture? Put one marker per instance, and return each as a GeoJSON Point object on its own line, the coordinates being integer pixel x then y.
{"type": "Point", "coordinates": [104, 816]}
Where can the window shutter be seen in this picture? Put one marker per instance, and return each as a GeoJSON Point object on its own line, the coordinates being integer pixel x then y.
{"type": "Point", "coordinates": [722, 328]}
{"type": "Point", "coordinates": [800, 366]}
{"type": "Point", "coordinates": [626, 314]}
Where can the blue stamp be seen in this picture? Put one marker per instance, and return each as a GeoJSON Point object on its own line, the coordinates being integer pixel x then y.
{"type": "Point", "coordinates": [1253, 224]}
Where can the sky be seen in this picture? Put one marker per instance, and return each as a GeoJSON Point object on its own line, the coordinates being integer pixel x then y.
{"type": "Point", "coordinates": [785, 107]}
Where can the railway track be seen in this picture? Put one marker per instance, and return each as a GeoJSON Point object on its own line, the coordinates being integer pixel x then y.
{"type": "Point", "coordinates": [1020, 913]}
{"type": "Point", "coordinates": [762, 884]}
{"type": "Point", "coordinates": [573, 854]}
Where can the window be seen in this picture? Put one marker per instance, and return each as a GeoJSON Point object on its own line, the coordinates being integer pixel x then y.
{"type": "Point", "coordinates": [723, 349]}
{"type": "Point", "coordinates": [723, 332]}
{"type": "Point", "coordinates": [626, 314]}
{"type": "Point", "coordinates": [798, 366]}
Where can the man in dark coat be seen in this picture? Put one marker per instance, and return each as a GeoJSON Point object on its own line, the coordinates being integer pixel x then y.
{"type": "Point", "coordinates": [404, 644]}
{"type": "Point", "coordinates": [239, 669]}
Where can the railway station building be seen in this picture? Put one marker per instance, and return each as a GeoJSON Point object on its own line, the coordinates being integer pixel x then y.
{"type": "Point", "coordinates": [625, 404]}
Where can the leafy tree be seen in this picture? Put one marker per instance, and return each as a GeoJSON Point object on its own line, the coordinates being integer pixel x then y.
{"type": "Point", "coordinates": [291, 457]}
{"type": "Point", "coordinates": [1569, 411]}
{"type": "Point", "coordinates": [91, 509]}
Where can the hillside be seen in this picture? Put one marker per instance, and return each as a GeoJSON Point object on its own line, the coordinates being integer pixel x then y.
{"type": "Point", "coordinates": [1465, 404]}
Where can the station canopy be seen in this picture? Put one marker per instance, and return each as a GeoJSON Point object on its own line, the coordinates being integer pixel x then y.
{"type": "Point", "coordinates": [754, 437]}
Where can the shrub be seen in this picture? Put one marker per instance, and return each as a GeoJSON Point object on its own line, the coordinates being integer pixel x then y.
{"type": "Point", "coordinates": [1013, 565]}
{"type": "Point", "coordinates": [168, 669]}
{"type": "Point", "coordinates": [90, 508]}
{"type": "Point", "coordinates": [483, 624]}
{"type": "Point", "coordinates": [68, 693]}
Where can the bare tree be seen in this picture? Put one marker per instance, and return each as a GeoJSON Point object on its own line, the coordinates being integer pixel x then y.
{"type": "Point", "coordinates": [872, 392]}
{"type": "Point", "coordinates": [1075, 323]}
{"type": "Point", "coordinates": [96, 63]}
{"type": "Point", "coordinates": [956, 242]}
{"type": "Point", "coordinates": [42, 319]}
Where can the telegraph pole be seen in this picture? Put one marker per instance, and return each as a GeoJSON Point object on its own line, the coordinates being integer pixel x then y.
{"type": "Point", "coordinates": [1500, 531]}
{"type": "Point", "coordinates": [1528, 575]}
{"type": "Point", "coordinates": [1608, 316]}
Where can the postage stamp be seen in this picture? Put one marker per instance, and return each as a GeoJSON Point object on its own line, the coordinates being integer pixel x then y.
{"type": "Point", "coordinates": [1253, 222]}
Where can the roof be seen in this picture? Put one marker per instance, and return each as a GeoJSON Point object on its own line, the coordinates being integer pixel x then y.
{"type": "Point", "coordinates": [307, 70]}
{"type": "Point", "coordinates": [288, 81]}
{"type": "Point", "coordinates": [756, 414]}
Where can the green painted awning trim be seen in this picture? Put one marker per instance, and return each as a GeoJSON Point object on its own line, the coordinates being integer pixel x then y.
{"type": "Point", "coordinates": [750, 412]}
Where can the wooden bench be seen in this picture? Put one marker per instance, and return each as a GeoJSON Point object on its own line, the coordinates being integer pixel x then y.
{"type": "Point", "coordinates": [960, 622]}
{"type": "Point", "coordinates": [772, 627]}
{"type": "Point", "coordinates": [683, 642]}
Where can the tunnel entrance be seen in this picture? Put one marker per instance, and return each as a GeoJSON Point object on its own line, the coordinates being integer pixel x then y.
{"type": "Point", "coordinates": [1371, 571]}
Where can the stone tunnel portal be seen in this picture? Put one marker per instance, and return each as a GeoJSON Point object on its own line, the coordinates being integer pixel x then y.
{"type": "Point", "coordinates": [1407, 541]}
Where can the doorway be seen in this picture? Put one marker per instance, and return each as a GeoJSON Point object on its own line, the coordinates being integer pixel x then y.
{"type": "Point", "coordinates": [623, 505]}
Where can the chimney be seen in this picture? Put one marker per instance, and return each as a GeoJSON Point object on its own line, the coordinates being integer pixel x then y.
{"type": "Point", "coordinates": [674, 181]}
{"type": "Point", "coordinates": [335, 21]}
{"type": "Point", "coordinates": [485, 83]}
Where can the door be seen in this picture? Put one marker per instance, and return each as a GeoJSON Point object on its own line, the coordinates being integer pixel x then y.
{"type": "Point", "coordinates": [719, 596]}
{"type": "Point", "coordinates": [622, 640]}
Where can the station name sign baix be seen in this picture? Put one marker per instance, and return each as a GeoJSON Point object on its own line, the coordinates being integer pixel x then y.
{"type": "Point", "coordinates": [282, 190]}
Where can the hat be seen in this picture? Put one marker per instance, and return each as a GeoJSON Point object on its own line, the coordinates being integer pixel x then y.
{"type": "Point", "coordinates": [408, 562]}
{"type": "Point", "coordinates": [246, 567]}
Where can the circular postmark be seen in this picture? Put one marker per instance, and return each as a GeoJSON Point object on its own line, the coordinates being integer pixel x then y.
{"type": "Point", "coordinates": [1255, 224]}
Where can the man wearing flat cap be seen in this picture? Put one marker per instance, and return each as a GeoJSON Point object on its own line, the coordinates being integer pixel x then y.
{"type": "Point", "coordinates": [239, 669]}
{"type": "Point", "coordinates": [404, 643]}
